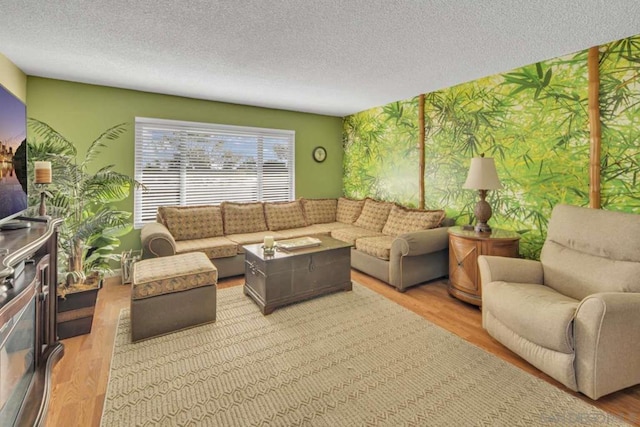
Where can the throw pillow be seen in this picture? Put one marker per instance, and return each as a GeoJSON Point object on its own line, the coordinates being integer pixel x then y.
{"type": "Point", "coordinates": [320, 211]}
{"type": "Point", "coordinates": [348, 210]}
{"type": "Point", "coordinates": [192, 222]}
{"type": "Point", "coordinates": [243, 217]}
{"type": "Point", "coordinates": [374, 215]}
{"type": "Point", "coordinates": [285, 215]}
{"type": "Point", "coordinates": [402, 220]}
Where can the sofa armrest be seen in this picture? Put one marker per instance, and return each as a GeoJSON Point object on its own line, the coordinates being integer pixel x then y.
{"type": "Point", "coordinates": [157, 241]}
{"type": "Point", "coordinates": [420, 242]}
{"type": "Point", "coordinates": [607, 342]}
{"type": "Point", "coordinates": [496, 268]}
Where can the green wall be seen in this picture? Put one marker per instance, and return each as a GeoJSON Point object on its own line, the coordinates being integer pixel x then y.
{"type": "Point", "coordinates": [12, 78]}
{"type": "Point", "coordinates": [532, 120]}
{"type": "Point", "coordinates": [80, 112]}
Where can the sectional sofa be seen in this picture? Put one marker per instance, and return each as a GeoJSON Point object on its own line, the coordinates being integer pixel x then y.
{"type": "Point", "coordinates": [402, 247]}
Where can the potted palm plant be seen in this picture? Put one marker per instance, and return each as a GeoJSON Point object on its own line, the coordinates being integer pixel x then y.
{"type": "Point", "coordinates": [84, 197]}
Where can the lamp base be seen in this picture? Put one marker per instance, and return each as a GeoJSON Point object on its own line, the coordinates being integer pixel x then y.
{"type": "Point", "coordinates": [482, 227]}
{"type": "Point", "coordinates": [483, 214]}
{"type": "Point", "coordinates": [42, 209]}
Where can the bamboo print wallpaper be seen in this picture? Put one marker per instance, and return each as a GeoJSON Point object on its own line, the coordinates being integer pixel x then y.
{"type": "Point", "coordinates": [381, 153]}
{"type": "Point", "coordinates": [620, 118]}
{"type": "Point", "coordinates": [532, 120]}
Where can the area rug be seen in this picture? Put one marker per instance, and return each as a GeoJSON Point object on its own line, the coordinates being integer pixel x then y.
{"type": "Point", "coordinates": [346, 359]}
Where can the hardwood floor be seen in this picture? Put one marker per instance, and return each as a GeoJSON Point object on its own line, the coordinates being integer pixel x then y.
{"type": "Point", "coordinates": [80, 378]}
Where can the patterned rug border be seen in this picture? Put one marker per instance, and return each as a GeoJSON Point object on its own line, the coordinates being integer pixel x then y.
{"type": "Point", "coordinates": [590, 415]}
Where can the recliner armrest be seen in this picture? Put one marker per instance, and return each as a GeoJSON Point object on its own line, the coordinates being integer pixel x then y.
{"type": "Point", "coordinates": [496, 268]}
{"type": "Point", "coordinates": [607, 342]}
{"type": "Point", "coordinates": [157, 241]}
{"type": "Point", "coordinates": [420, 242]}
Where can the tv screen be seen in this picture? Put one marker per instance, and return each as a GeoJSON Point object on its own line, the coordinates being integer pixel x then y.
{"type": "Point", "coordinates": [13, 155]}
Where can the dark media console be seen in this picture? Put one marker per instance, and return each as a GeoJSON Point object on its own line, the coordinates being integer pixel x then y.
{"type": "Point", "coordinates": [28, 343]}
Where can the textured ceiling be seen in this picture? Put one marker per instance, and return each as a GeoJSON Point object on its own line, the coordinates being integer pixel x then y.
{"type": "Point", "coordinates": [333, 57]}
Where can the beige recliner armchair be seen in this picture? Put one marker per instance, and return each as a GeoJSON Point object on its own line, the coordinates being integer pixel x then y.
{"type": "Point", "coordinates": [575, 314]}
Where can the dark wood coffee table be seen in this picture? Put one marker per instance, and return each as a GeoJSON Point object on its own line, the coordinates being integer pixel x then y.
{"type": "Point", "coordinates": [283, 278]}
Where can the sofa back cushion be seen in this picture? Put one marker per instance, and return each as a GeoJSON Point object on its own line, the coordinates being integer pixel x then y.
{"type": "Point", "coordinates": [402, 220]}
{"type": "Point", "coordinates": [285, 215]}
{"type": "Point", "coordinates": [591, 250]}
{"type": "Point", "coordinates": [348, 210]}
{"type": "Point", "coordinates": [243, 217]}
{"type": "Point", "coordinates": [320, 211]}
{"type": "Point", "coordinates": [374, 215]}
{"type": "Point", "coordinates": [191, 222]}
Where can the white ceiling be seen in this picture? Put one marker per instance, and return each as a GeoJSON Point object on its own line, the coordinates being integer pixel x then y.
{"type": "Point", "coordinates": [333, 57]}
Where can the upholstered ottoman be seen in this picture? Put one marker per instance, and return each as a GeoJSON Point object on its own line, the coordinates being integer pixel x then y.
{"type": "Point", "coordinates": [172, 293]}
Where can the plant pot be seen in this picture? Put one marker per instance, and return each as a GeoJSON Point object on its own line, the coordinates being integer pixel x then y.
{"type": "Point", "coordinates": [75, 312]}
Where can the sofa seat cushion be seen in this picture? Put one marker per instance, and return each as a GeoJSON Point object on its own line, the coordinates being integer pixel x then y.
{"type": "Point", "coordinates": [296, 232]}
{"type": "Point", "coordinates": [243, 217]}
{"type": "Point", "coordinates": [213, 247]}
{"type": "Point", "coordinates": [165, 275]}
{"type": "Point", "coordinates": [352, 233]}
{"type": "Point", "coordinates": [374, 215]}
{"type": "Point", "coordinates": [191, 222]}
{"type": "Point", "coordinates": [379, 247]}
{"type": "Point", "coordinates": [328, 227]}
{"type": "Point", "coordinates": [284, 216]}
{"type": "Point", "coordinates": [241, 239]}
{"type": "Point", "coordinates": [348, 210]}
{"type": "Point", "coordinates": [534, 312]}
{"type": "Point", "coordinates": [403, 220]}
{"type": "Point", "coordinates": [320, 211]}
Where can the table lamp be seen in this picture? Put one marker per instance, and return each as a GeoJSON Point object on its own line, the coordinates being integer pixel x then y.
{"type": "Point", "coordinates": [43, 178]}
{"type": "Point", "coordinates": [482, 177]}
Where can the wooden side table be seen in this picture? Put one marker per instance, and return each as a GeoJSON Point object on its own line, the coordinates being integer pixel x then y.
{"type": "Point", "coordinates": [464, 248]}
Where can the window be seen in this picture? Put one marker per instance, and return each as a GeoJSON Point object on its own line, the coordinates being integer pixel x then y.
{"type": "Point", "coordinates": [187, 163]}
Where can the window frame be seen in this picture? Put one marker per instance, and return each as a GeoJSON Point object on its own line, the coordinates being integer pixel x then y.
{"type": "Point", "coordinates": [191, 137]}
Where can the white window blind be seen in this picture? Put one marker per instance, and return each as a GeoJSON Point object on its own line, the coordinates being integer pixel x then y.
{"type": "Point", "coordinates": [188, 163]}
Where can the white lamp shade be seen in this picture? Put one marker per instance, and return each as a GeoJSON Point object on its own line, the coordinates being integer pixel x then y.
{"type": "Point", "coordinates": [482, 175]}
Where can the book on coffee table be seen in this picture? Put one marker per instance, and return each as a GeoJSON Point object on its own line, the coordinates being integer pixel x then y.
{"type": "Point", "coordinates": [298, 243]}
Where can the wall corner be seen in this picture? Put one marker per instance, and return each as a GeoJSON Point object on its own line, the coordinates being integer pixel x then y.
{"type": "Point", "coordinates": [12, 78]}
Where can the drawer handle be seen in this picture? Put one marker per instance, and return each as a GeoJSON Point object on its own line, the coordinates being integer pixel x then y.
{"type": "Point", "coordinates": [253, 269]}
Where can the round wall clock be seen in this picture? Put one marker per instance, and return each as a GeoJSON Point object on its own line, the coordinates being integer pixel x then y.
{"type": "Point", "coordinates": [319, 154]}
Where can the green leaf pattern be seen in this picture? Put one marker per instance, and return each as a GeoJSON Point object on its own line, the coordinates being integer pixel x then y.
{"type": "Point", "coordinates": [533, 120]}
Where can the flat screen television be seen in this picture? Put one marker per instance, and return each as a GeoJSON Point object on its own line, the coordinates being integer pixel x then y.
{"type": "Point", "coordinates": [13, 156]}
